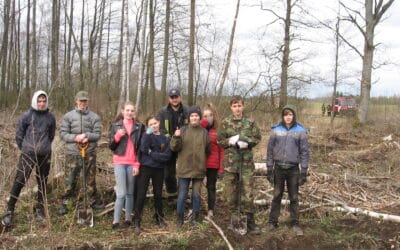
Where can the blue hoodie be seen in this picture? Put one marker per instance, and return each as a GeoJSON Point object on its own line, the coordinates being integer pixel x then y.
{"type": "Point", "coordinates": [288, 145]}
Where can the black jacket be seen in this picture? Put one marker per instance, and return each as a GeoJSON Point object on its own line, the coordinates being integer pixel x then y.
{"type": "Point", "coordinates": [35, 132]}
{"type": "Point", "coordinates": [166, 115]}
{"type": "Point", "coordinates": [120, 147]}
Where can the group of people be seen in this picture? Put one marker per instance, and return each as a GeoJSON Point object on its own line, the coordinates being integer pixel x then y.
{"type": "Point", "coordinates": [327, 108]}
{"type": "Point", "coordinates": [180, 146]}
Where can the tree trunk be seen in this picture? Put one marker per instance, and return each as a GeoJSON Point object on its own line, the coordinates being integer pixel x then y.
{"type": "Point", "coordinates": [27, 55]}
{"type": "Point", "coordinates": [285, 57]}
{"type": "Point", "coordinates": [166, 50]}
{"type": "Point", "coordinates": [122, 56]}
{"type": "Point", "coordinates": [335, 82]}
{"type": "Point", "coordinates": [102, 11]}
{"type": "Point", "coordinates": [55, 41]}
{"type": "Point", "coordinates": [81, 65]}
{"type": "Point", "coordinates": [34, 47]}
{"type": "Point", "coordinates": [4, 52]}
{"type": "Point", "coordinates": [92, 45]}
{"type": "Point", "coordinates": [141, 56]}
{"type": "Point", "coordinates": [191, 51]}
{"type": "Point", "coordinates": [151, 58]}
{"type": "Point", "coordinates": [228, 57]}
{"type": "Point", "coordinates": [372, 19]}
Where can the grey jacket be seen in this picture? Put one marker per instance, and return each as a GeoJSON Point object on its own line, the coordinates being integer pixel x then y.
{"type": "Point", "coordinates": [77, 122]}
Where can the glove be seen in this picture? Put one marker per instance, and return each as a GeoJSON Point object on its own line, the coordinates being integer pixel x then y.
{"type": "Point", "coordinates": [233, 140]}
{"type": "Point", "coordinates": [270, 176]}
{"type": "Point", "coordinates": [302, 179]}
{"type": "Point", "coordinates": [242, 144]}
{"type": "Point", "coordinates": [220, 175]}
{"type": "Point", "coordinates": [149, 130]}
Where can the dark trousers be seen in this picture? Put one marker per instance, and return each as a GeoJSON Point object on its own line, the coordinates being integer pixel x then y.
{"type": "Point", "coordinates": [211, 174]}
{"type": "Point", "coordinates": [171, 184]}
{"type": "Point", "coordinates": [142, 183]}
{"type": "Point", "coordinates": [25, 166]}
{"type": "Point", "coordinates": [291, 177]}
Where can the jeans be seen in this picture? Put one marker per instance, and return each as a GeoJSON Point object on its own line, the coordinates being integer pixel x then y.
{"type": "Point", "coordinates": [157, 176]}
{"type": "Point", "coordinates": [211, 174]}
{"type": "Point", "coordinates": [291, 177]}
{"type": "Point", "coordinates": [125, 183]}
{"type": "Point", "coordinates": [25, 166]}
{"type": "Point", "coordinates": [183, 184]}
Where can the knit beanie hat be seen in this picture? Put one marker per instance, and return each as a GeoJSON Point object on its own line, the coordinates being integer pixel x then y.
{"type": "Point", "coordinates": [194, 109]}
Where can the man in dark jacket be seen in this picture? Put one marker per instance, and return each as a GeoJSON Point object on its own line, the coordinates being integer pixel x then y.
{"type": "Point", "coordinates": [80, 126]}
{"type": "Point", "coordinates": [287, 161]}
{"type": "Point", "coordinates": [34, 135]}
{"type": "Point", "coordinates": [172, 116]}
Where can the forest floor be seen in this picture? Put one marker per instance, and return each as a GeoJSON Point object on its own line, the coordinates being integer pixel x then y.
{"type": "Point", "coordinates": [352, 167]}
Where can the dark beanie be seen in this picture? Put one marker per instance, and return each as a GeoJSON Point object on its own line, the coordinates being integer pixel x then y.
{"type": "Point", "coordinates": [194, 109]}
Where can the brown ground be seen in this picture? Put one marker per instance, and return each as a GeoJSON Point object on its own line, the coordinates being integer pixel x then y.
{"type": "Point", "coordinates": [354, 166]}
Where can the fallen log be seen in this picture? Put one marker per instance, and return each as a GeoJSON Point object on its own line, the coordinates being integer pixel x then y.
{"type": "Point", "coordinates": [356, 210]}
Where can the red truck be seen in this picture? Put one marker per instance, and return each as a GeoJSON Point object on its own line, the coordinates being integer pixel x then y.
{"type": "Point", "coordinates": [344, 106]}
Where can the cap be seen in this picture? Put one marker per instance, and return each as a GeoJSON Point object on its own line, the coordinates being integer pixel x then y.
{"type": "Point", "coordinates": [82, 96]}
{"type": "Point", "coordinates": [174, 92]}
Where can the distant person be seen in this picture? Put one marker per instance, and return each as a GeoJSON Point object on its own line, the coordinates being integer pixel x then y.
{"type": "Point", "coordinates": [34, 134]}
{"type": "Point", "coordinates": [214, 162]}
{"type": "Point", "coordinates": [124, 141]}
{"type": "Point", "coordinates": [287, 162]}
{"type": "Point", "coordinates": [238, 135]}
{"type": "Point", "coordinates": [155, 154]}
{"type": "Point", "coordinates": [172, 116]}
{"type": "Point", "coordinates": [323, 109]}
{"type": "Point", "coordinates": [80, 126]}
{"type": "Point", "coordinates": [329, 110]}
{"type": "Point", "coordinates": [192, 143]}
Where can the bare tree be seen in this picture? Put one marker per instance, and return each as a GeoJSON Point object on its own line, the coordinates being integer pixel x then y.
{"type": "Point", "coordinates": [55, 33]}
{"type": "Point", "coordinates": [229, 54]}
{"type": "Point", "coordinates": [27, 51]}
{"type": "Point", "coordinates": [4, 51]}
{"type": "Point", "coordinates": [191, 50]}
{"type": "Point", "coordinates": [374, 11]}
{"type": "Point", "coordinates": [34, 46]}
{"type": "Point", "coordinates": [166, 50]}
{"type": "Point", "coordinates": [142, 54]}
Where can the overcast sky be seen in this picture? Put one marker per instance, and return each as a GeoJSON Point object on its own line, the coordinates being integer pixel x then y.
{"type": "Point", "coordinates": [252, 20]}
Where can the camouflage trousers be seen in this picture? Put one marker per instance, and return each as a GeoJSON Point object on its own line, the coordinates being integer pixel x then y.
{"type": "Point", "coordinates": [231, 190]}
{"type": "Point", "coordinates": [73, 166]}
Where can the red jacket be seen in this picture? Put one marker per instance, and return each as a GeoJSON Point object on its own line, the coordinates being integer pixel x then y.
{"type": "Point", "coordinates": [216, 156]}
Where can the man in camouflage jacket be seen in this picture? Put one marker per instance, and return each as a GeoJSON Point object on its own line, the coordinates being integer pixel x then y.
{"type": "Point", "coordinates": [238, 135]}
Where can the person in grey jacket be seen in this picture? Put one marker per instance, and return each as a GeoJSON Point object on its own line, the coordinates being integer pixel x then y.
{"type": "Point", "coordinates": [80, 126]}
{"type": "Point", "coordinates": [34, 135]}
{"type": "Point", "coordinates": [287, 161]}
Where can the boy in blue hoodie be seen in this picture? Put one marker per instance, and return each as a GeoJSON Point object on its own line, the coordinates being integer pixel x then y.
{"type": "Point", "coordinates": [287, 162]}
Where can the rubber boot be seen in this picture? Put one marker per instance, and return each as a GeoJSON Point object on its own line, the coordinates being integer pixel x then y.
{"type": "Point", "coordinates": [251, 224]}
{"type": "Point", "coordinates": [179, 220]}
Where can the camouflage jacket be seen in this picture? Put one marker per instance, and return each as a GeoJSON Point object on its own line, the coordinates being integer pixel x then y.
{"type": "Point", "coordinates": [248, 132]}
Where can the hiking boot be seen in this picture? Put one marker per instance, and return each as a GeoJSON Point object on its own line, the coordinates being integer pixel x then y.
{"type": "Point", "coordinates": [40, 215]}
{"type": "Point", "coordinates": [137, 229]}
{"type": "Point", "coordinates": [297, 230]}
{"type": "Point", "coordinates": [7, 219]}
{"type": "Point", "coordinates": [252, 227]}
{"type": "Point", "coordinates": [271, 226]}
{"type": "Point", "coordinates": [179, 220]}
{"type": "Point", "coordinates": [63, 209]}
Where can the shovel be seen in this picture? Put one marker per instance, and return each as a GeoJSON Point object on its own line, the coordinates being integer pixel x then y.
{"type": "Point", "coordinates": [239, 221]}
{"type": "Point", "coordinates": [85, 215]}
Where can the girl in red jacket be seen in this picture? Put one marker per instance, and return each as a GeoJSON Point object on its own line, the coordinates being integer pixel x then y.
{"type": "Point", "coordinates": [214, 161]}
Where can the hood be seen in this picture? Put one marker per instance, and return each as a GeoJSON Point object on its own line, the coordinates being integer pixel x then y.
{"type": "Point", "coordinates": [291, 108]}
{"type": "Point", "coordinates": [35, 99]}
